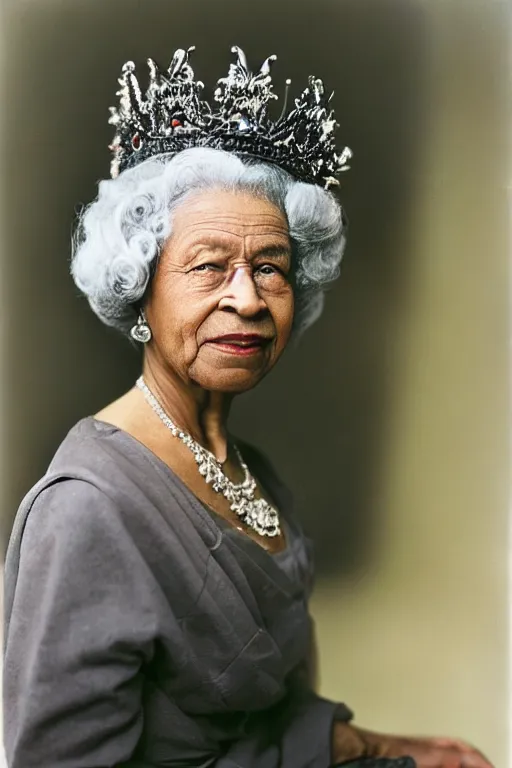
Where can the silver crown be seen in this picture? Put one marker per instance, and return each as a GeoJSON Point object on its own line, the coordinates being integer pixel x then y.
{"type": "Point", "coordinates": [171, 117]}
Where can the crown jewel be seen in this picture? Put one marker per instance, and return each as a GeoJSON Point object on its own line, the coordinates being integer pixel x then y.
{"type": "Point", "coordinates": [171, 117]}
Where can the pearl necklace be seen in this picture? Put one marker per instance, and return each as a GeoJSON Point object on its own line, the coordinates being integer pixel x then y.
{"type": "Point", "coordinates": [256, 513]}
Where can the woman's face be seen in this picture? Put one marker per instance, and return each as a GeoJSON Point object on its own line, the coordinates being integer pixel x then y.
{"type": "Point", "coordinates": [220, 304]}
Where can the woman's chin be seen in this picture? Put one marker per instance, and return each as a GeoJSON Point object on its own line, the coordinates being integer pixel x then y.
{"type": "Point", "coordinates": [230, 381]}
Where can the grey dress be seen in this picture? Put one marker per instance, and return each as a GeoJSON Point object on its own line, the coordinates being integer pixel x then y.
{"type": "Point", "coordinates": [142, 630]}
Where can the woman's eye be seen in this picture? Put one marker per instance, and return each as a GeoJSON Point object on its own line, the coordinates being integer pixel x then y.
{"type": "Point", "coordinates": [268, 269]}
{"type": "Point", "coordinates": [205, 267]}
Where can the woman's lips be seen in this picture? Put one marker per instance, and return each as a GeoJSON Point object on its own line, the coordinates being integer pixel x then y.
{"type": "Point", "coordinates": [240, 344]}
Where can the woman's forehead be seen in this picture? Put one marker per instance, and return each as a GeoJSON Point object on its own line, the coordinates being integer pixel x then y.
{"type": "Point", "coordinates": [240, 213]}
{"type": "Point", "coordinates": [222, 229]}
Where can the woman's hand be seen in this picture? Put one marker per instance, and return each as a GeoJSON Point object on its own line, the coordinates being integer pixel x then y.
{"type": "Point", "coordinates": [350, 742]}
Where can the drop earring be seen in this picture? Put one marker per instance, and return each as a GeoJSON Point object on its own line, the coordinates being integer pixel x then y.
{"type": "Point", "coordinates": [141, 330]}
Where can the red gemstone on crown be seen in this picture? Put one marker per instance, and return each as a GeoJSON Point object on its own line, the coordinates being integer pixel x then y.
{"type": "Point", "coordinates": [136, 141]}
{"type": "Point", "coordinates": [176, 123]}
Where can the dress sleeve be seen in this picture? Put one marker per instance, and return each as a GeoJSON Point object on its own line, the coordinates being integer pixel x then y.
{"type": "Point", "coordinates": [80, 630]}
{"type": "Point", "coordinates": [296, 735]}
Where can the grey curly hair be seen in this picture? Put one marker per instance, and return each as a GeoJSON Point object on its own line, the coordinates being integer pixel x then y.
{"type": "Point", "coordinates": [120, 234]}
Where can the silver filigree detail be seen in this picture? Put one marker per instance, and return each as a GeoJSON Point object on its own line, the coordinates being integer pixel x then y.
{"type": "Point", "coordinates": [141, 331]}
{"type": "Point", "coordinates": [256, 513]}
{"type": "Point", "coordinates": [171, 117]}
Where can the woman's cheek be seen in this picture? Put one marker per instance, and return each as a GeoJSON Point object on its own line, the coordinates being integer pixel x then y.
{"type": "Point", "coordinates": [284, 306]}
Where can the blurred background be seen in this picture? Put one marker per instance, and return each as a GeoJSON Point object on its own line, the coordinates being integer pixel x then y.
{"type": "Point", "coordinates": [390, 421]}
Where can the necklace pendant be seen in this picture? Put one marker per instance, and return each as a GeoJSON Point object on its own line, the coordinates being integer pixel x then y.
{"type": "Point", "coordinates": [258, 515]}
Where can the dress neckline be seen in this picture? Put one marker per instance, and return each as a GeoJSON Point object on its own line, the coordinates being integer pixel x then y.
{"type": "Point", "coordinates": [222, 525]}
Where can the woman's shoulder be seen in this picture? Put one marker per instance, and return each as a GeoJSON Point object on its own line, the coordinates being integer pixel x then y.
{"type": "Point", "coordinates": [93, 448]}
{"type": "Point", "coordinates": [116, 463]}
{"type": "Point", "coordinates": [82, 492]}
{"type": "Point", "coordinates": [72, 479]}
{"type": "Point", "coordinates": [102, 498]}
{"type": "Point", "coordinates": [97, 477]}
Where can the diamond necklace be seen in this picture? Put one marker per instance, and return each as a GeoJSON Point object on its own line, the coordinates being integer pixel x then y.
{"type": "Point", "coordinates": [256, 513]}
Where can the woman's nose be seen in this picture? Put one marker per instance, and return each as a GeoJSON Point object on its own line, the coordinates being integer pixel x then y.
{"type": "Point", "coordinates": [242, 294]}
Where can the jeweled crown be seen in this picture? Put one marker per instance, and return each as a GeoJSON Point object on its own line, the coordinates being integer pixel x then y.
{"type": "Point", "coordinates": [171, 117]}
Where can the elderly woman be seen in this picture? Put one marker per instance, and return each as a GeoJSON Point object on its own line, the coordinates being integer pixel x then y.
{"type": "Point", "coordinates": [157, 581]}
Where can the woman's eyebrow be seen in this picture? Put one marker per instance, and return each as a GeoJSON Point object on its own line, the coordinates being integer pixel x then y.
{"type": "Point", "coordinates": [197, 241]}
{"type": "Point", "coordinates": [275, 250]}
{"type": "Point", "coordinates": [221, 245]}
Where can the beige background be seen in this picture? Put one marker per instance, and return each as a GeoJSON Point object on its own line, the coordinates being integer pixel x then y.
{"type": "Point", "coordinates": [391, 421]}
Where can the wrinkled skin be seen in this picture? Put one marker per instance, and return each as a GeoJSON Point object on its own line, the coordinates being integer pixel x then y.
{"type": "Point", "coordinates": [225, 269]}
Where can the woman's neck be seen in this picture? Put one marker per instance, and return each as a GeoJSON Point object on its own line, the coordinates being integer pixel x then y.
{"type": "Point", "coordinates": [203, 414]}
